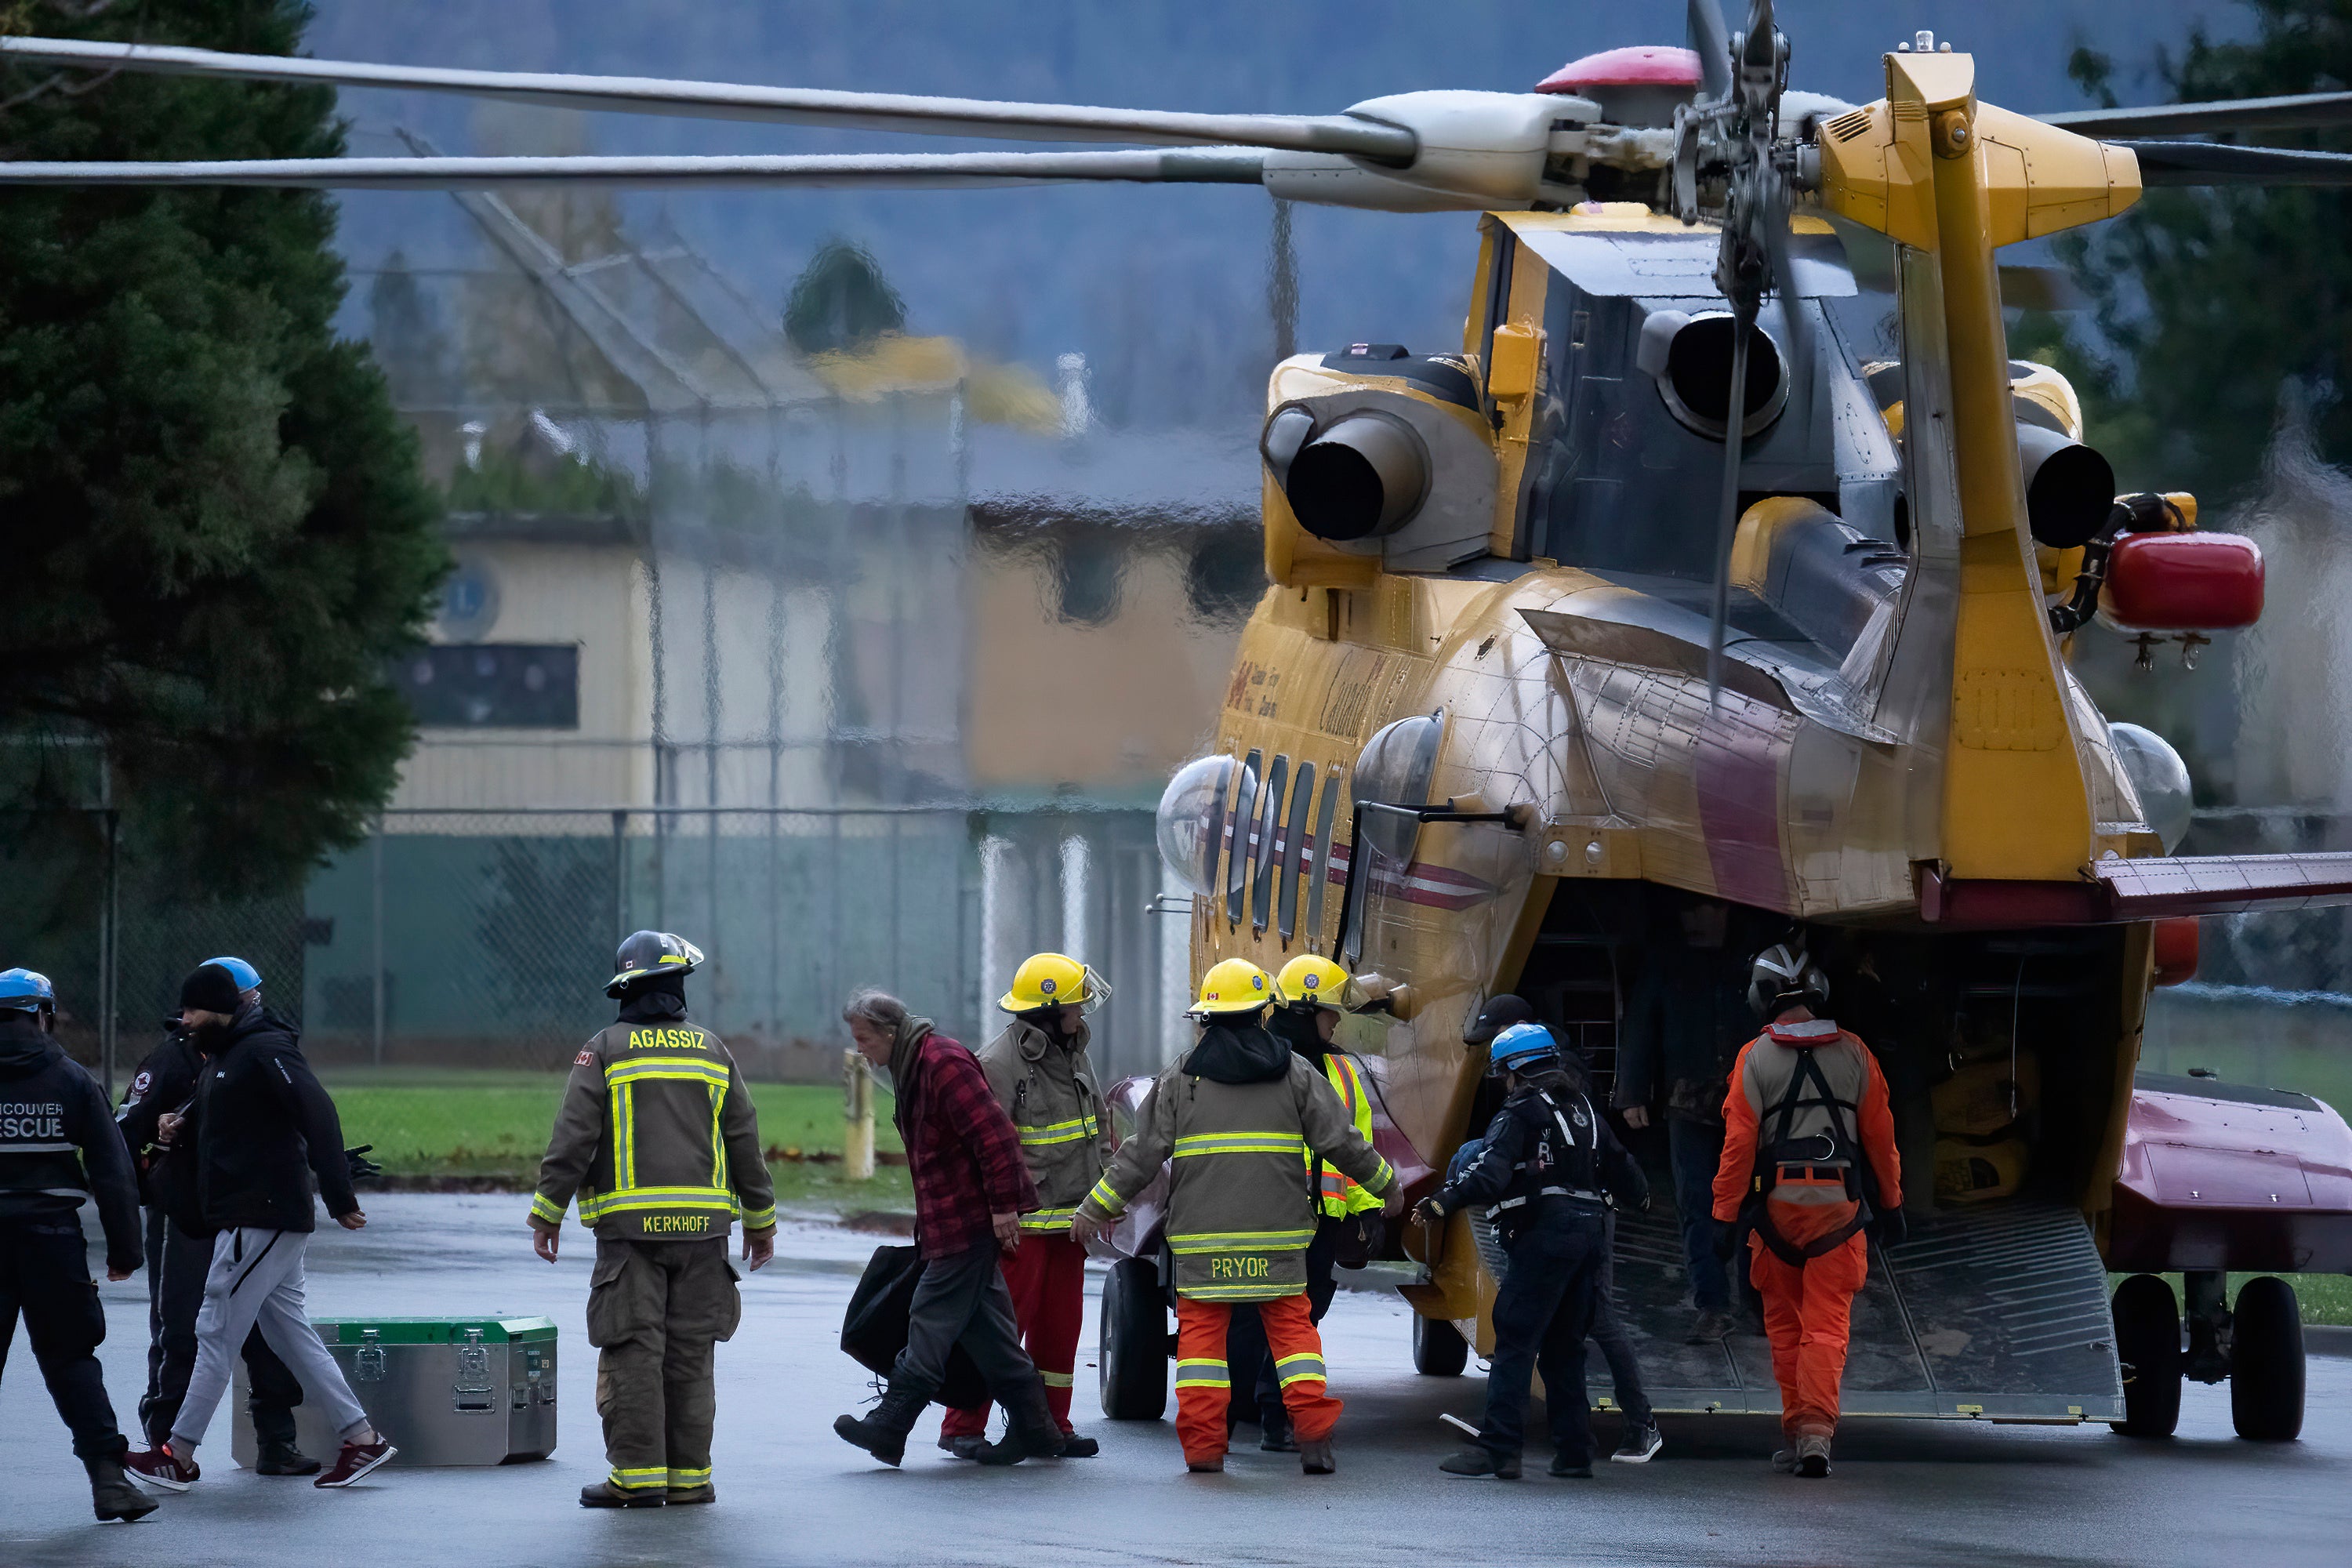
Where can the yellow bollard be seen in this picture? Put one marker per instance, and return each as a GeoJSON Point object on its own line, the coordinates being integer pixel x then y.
{"type": "Point", "coordinates": [857, 1116]}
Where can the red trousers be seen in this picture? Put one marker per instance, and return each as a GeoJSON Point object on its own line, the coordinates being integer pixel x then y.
{"type": "Point", "coordinates": [1808, 1313]}
{"type": "Point", "coordinates": [1204, 1386]}
{"type": "Point", "coordinates": [1047, 1276]}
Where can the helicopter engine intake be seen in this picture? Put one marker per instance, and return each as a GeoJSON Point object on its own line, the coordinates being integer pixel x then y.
{"type": "Point", "coordinates": [1363, 479]}
{"type": "Point", "coordinates": [1690, 359]}
{"type": "Point", "coordinates": [2070, 489]}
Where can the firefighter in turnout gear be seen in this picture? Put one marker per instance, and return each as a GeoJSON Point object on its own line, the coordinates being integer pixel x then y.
{"type": "Point", "coordinates": [57, 1144]}
{"type": "Point", "coordinates": [1546, 1173]}
{"type": "Point", "coordinates": [658, 1140]}
{"type": "Point", "coordinates": [1311, 993]}
{"type": "Point", "coordinates": [1039, 1071]}
{"type": "Point", "coordinates": [1239, 1118]}
{"type": "Point", "coordinates": [1809, 1161]}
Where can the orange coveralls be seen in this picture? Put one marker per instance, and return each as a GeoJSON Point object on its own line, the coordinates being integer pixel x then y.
{"type": "Point", "coordinates": [1808, 1306]}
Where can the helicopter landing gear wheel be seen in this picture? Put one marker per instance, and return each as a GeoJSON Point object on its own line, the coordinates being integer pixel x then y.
{"type": "Point", "coordinates": [2147, 1341]}
{"type": "Point", "coordinates": [1438, 1348]}
{"type": "Point", "coordinates": [2266, 1362]}
{"type": "Point", "coordinates": [1134, 1348]}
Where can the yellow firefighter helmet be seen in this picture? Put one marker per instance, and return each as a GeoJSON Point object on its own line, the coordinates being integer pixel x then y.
{"type": "Point", "coordinates": [1053, 980]}
{"type": "Point", "coordinates": [1311, 980]}
{"type": "Point", "coordinates": [1236, 986]}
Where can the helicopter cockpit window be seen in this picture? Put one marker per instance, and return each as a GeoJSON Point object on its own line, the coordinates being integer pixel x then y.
{"type": "Point", "coordinates": [1238, 834]}
{"type": "Point", "coordinates": [1628, 449]}
{"type": "Point", "coordinates": [1269, 829]}
{"type": "Point", "coordinates": [1191, 825]}
{"type": "Point", "coordinates": [1395, 768]}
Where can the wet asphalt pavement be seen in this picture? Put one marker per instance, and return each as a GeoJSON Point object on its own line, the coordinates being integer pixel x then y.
{"type": "Point", "coordinates": [790, 1492]}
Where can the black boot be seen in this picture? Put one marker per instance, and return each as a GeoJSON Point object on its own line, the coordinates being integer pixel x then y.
{"type": "Point", "coordinates": [112, 1495]}
{"type": "Point", "coordinates": [1030, 1429]}
{"type": "Point", "coordinates": [884, 1433]}
{"type": "Point", "coordinates": [283, 1458]}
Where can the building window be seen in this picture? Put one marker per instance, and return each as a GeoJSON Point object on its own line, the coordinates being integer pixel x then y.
{"type": "Point", "coordinates": [1226, 577]}
{"type": "Point", "coordinates": [491, 686]}
{"type": "Point", "coordinates": [1086, 571]}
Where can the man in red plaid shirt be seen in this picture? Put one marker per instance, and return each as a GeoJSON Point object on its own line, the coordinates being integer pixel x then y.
{"type": "Point", "coordinates": [972, 1186]}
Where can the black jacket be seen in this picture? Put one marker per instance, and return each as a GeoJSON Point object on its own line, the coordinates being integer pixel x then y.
{"type": "Point", "coordinates": [1227, 1055]}
{"type": "Point", "coordinates": [1525, 1153]}
{"type": "Point", "coordinates": [263, 1126]}
{"type": "Point", "coordinates": [56, 1141]}
{"type": "Point", "coordinates": [164, 1082]}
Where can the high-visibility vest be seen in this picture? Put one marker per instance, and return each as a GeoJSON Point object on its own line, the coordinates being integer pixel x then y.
{"type": "Point", "coordinates": [1335, 1194]}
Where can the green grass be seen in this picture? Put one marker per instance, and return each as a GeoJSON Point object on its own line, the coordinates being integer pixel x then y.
{"type": "Point", "coordinates": [2325, 1297]}
{"type": "Point", "coordinates": [431, 1122]}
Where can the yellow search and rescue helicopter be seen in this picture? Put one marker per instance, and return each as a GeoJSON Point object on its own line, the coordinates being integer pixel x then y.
{"type": "Point", "coordinates": [1642, 605]}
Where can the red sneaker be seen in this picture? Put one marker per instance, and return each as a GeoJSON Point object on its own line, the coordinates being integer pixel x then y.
{"type": "Point", "coordinates": [355, 1460]}
{"type": "Point", "coordinates": [161, 1468]}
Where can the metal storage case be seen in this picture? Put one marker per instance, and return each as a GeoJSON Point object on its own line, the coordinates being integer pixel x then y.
{"type": "Point", "coordinates": [446, 1391]}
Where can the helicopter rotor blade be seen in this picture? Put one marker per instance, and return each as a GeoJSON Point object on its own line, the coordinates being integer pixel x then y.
{"type": "Point", "coordinates": [1710, 39]}
{"type": "Point", "coordinates": [2223, 163]}
{"type": "Point", "coordinates": [2294, 112]}
{"type": "Point", "coordinates": [1353, 135]}
{"type": "Point", "coordinates": [900, 171]}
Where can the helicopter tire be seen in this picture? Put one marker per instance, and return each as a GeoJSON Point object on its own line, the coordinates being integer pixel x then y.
{"type": "Point", "coordinates": [2266, 1362]}
{"type": "Point", "coordinates": [1134, 1342]}
{"type": "Point", "coordinates": [1438, 1348]}
{"type": "Point", "coordinates": [2147, 1341]}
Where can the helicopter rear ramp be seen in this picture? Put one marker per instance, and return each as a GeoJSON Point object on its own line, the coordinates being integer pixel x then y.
{"type": "Point", "coordinates": [1996, 1312]}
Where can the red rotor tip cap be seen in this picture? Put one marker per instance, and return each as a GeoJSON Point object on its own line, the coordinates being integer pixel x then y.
{"type": "Point", "coordinates": [1647, 65]}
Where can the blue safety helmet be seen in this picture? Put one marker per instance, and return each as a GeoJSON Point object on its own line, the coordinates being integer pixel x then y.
{"type": "Point", "coordinates": [23, 991]}
{"type": "Point", "coordinates": [1520, 1046]}
{"type": "Point", "coordinates": [247, 978]}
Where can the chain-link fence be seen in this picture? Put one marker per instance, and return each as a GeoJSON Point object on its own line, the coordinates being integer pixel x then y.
{"type": "Point", "coordinates": [485, 938]}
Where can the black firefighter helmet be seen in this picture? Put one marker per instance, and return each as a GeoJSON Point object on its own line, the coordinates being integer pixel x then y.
{"type": "Point", "coordinates": [649, 953]}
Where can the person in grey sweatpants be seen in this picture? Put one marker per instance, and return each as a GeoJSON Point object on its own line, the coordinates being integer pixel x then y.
{"type": "Point", "coordinates": [256, 1281]}
{"type": "Point", "coordinates": [264, 1130]}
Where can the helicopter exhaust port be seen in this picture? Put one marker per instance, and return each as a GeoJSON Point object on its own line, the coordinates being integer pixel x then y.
{"type": "Point", "coordinates": [1690, 359]}
{"type": "Point", "coordinates": [1363, 477]}
{"type": "Point", "coordinates": [2070, 489]}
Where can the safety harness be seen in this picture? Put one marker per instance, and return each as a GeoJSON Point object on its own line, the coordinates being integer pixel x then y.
{"type": "Point", "coordinates": [1832, 1152]}
{"type": "Point", "coordinates": [1553, 1190]}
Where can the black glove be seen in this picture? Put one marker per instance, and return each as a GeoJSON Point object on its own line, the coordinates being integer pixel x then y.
{"type": "Point", "coordinates": [1891, 1228]}
{"type": "Point", "coordinates": [361, 1168]}
{"type": "Point", "coordinates": [1429, 1211]}
{"type": "Point", "coordinates": [1727, 1241]}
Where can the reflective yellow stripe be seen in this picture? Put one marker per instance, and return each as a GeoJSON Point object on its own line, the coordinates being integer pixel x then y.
{"type": "Point", "coordinates": [1241, 1241]}
{"type": "Point", "coordinates": [1203, 1373]}
{"type": "Point", "coordinates": [718, 1138]}
{"type": "Point", "coordinates": [1106, 1197]}
{"type": "Point", "coordinates": [1048, 1219]}
{"type": "Point", "coordinates": [697, 1067]}
{"type": "Point", "coordinates": [541, 1208]}
{"type": "Point", "coordinates": [1298, 1368]}
{"type": "Point", "coordinates": [1059, 1131]}
{"type": "Point", "coordinates": [1057, 1379]}
{"type": "Point", "coordinates": [691, 1477]}
{"type": "Point", "coordinates": [760, 1219]}
{"type": "Point", "coordinates": [1240, 1143]}
{"type": "Point", "coordinates": [624, 1127]}
{"type": "Point", "coordinates": [1238, 1292]}
{"type": "Point", "coordinates": [628, 1200]}
{"type": "Point", "coordinates": [637, 1480]}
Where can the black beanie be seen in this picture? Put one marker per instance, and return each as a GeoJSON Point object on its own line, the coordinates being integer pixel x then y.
{"type": "Point", "coordinates": [211, 988]}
